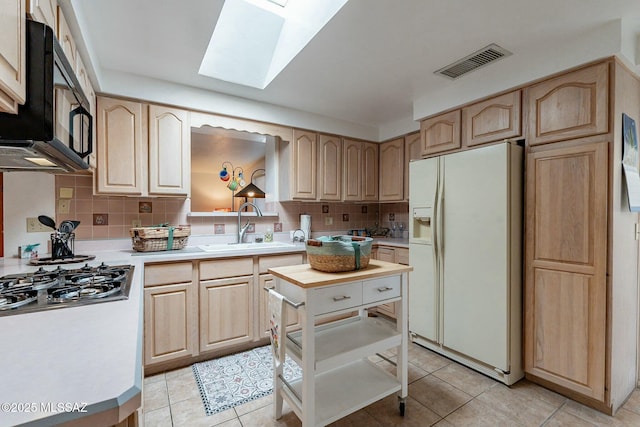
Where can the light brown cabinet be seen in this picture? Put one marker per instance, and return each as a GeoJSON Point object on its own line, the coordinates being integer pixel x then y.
{"type": "Point", "coordinates": [303, 173]}
{"type": "Point", "coordinates": [360, 170]}
{"type": "Point", "coordinates": [45, 11]}
{"type": "Point", "coordinates": [142, 149]}
{"type": "Point", "coordinates": [12, 58]}
{"type": "Point", "coordinates": [329, 167]}
{"type": "Point", "coordinates": [293, 319]}
{"type": "Point", "coordinates": [391, 171]}
{"type": "Point", "coordinates": [572, 105]}
{"type": "Point", "coordinates": [412, 151]}
{"type": "Point", "coordinates": [169, 151]}
{"type": "Point", "coordinates": [440, 133]}
{"type": "Point", "coordinates": [169, 312]}
{"type": "Point", "coordinates": [566, 255]}
{"type": "Point", "coordinates": [390, 254]}
{"type": "Point", "coordinates": [226, 302]}
{"type": "Point", "coordinates": [66, 40]}
{"type": "Point", "coordinates": [352, 170]}
{"type": "Point", "coordinates": [492, 120]}
{"type": "Point", "coordinates": [121, 147]}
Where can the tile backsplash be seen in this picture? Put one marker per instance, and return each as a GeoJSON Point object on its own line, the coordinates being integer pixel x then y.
{"type": "Point", "coordinates": [111, 217]}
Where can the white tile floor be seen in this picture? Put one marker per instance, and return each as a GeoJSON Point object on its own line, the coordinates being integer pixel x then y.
{"type": "Point", "coordinates": [441, 393]}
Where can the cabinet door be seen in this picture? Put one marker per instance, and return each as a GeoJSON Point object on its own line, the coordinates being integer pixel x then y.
{"type": "Point", "coordinates": [412, 151]}
{"type": "Point", "coordinates": [565, 282]}
{"type": "Point", "coordinates": [168, 323]}
{"type": "Point", "coordinates": [392, 170]}
{"type": "Point", "coordinates": [66, 39]}
{"type": "Point", "coordinates": [352, 173]}
{"type": "Point", "coordinates": [293, 321]}
{"type": "Point", "coordinates": [440, 133]}
{"type": "Point", "coordinates": [369, 171]}
{"type": "Point", "coordinates": [492, 120]}
{"type": "Point", "coordinates": [121, 146]}
{"type": "Point", "coordinates": [569, 106]}
{"type": "Point", "coordinates": [169, 151]}
{"type": "Point", "coordinates": [330, 168]}
{"type": "Point", "coordinates": [303, 174]}
{"type": "Point", "coordinates": [45, 11]}
{"type": "Point", "coordinates": [12, 59]}
{"type": "Point", "coordinates": [388, 255]}
{"type": "Point", "coordinates": [226, 312]}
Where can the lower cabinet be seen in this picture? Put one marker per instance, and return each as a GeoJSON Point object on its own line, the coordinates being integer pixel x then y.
{"type": "Point", "coordinates": [293, 321]}
{"type": "Point", "coordinates": [196, 307]}
{"type": "Point", "coordinates": [398, 256]}
{"type": "Point", "coordinates": [169, 315]}
{"type": "Point", "coordinates": [225, 312]}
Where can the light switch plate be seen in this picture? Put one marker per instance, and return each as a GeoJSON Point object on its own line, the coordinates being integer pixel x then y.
{"type": "Point", "coordinates": [136, 223]}
{"type": "Point", "coordinates": [328, 220]}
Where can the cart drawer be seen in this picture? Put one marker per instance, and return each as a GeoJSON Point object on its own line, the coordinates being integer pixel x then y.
{"type": "Point", "coordinates": [380, 289]}
{"type": "Point", "coordinates": [334, 298]}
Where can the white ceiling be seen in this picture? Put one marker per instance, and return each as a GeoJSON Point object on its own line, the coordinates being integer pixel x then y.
{"type": "Point", "coordinates": [373, 63]}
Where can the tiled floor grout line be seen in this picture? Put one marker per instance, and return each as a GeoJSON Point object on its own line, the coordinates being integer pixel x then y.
{"type": "Point", "coordinates": [550, 417]}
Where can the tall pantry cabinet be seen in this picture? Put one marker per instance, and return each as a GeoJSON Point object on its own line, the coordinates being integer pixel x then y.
{"type": "Point", "coordinates": [581, 256]}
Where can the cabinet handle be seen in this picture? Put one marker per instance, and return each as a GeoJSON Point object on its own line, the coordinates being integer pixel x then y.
{"type": "Point", "coordinates": [385, 289]}
{"type": "Point", "coordinates": [343, 297]}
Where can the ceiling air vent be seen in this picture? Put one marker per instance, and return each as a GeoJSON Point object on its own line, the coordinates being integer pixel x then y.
{"type": "Point", "coordinates": [477, 59]}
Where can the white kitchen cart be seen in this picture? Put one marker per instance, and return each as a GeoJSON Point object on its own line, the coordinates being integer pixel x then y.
{"type": "Point", "coordinates": [337, 376]}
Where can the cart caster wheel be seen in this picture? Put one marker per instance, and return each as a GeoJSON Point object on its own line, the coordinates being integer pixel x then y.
{"type": "Point", "coordinates": [402, 409]}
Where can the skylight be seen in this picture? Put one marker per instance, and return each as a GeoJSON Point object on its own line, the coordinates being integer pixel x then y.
{"type": "Point", "coordinates": [254, 40]}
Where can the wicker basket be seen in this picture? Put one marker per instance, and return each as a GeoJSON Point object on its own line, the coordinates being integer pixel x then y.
{"type": "Point", "coordinates": [150, 239]}
{"type": "Point", "coordinates": [339, 253]}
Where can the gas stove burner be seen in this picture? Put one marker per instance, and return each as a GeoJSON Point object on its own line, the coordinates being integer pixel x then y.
{"type": "Point", "coordinates": [60, 287]}
{"type": "Point", "coordinates": [10, 301]}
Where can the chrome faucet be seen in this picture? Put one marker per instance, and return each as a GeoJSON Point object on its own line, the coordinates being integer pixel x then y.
{"type": "Point", "coordinates": [298, 238]}
{"type": "Point", "coordinates": [242, 229]}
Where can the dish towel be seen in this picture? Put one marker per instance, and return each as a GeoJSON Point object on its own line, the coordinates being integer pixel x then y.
{"type": "Point", "coordinates": [277, 326]}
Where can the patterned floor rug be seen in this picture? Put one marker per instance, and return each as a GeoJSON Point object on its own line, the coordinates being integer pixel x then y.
{"type": "Point", "coordinates": [239, 378]}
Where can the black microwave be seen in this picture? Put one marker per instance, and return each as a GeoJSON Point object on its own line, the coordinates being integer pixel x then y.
{"type": "Point", "coordinates": [52, 131]}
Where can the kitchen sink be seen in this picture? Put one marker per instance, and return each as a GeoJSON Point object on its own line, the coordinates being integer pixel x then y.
{"type": "Point", "coordinates": [229, 247]}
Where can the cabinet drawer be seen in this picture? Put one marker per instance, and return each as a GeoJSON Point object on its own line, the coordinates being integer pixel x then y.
{"type": "Point", "coordinates": [226, 268]}
{"type": "Point", "coordinates": [267, 262]}
{"type": "Point", "coordinates": [402, 256]}
{"type": "Point", "coordinates": [164, 274]}
{"type": "Point", "coordinates": [380, 289]}
{"type": "Point", "coordinates": [334, 298]}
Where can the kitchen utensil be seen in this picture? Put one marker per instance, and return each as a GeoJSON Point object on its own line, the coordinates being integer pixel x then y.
{"type": "Point", "coordinates": [47, 221]}
{"type": "Point", "coordinates": [66, 226]}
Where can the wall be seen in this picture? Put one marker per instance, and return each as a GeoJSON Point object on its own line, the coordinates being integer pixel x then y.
{"type": "Point", "coordinates": [26, 195]}
{"type": "Point", "coordinates": [624, 251]}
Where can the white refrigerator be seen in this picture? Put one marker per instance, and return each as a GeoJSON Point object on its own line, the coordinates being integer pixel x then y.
{"type": "Point", "coordinates": [465, 247]}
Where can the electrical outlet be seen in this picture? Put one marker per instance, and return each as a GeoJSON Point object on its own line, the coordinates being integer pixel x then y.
{"type": "Point", "coordinates": [328, 220]}
{"type": "Point", "coordinates": [136, 223]}
{"type": "Point", "coordinates": [34, 226]}
{"type": "Point", "coordinates": [63, 206]}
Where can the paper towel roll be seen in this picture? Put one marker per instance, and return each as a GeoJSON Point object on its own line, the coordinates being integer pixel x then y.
{"type": "Point", "coordinates": [305, 225]}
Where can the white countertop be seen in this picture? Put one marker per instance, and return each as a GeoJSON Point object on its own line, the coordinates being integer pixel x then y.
{"type": "Point", "coordinates": [89, 354]}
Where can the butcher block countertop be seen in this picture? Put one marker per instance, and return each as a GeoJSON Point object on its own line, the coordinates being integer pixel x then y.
{"type": "Point", "coordinates": [304, 276]}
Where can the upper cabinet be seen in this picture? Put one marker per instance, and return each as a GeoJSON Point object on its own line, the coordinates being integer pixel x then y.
{"type": "Point", "coordinates": [45, 11]}
{"type": "Point", "coordinates": [440, 133]}
{"type": "Point", "coordinates": [330, 167]}
{"type": "Point", "coordinates": [570, 106]}
{"type": "Point", "coordinates": [304, 150]}
{"type": "Point", "coordinates": [169, 151]}
{"type": "Point", "coordinates": [121, 146]}
{"type": "Point", "coordinates": [369, 171]}
{"type": "Point", "coordinates": [66, 40]}
{"type": "Point", "coordinates": [12, 58]}
{"type": "Point", "coordinates": [412, 151]}
{"type": "Point", "coordinates": [360, 170]}
{"type": "Point", "coordinates": [492, 120]}
{"type": "Point", "coordinates": [392, 170]}
{"type": "Point", "coordinates": [142, 150]}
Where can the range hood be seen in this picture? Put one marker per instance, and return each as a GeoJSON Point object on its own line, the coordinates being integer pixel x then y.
{"type": "Point", "coordinates": [50, 156]}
